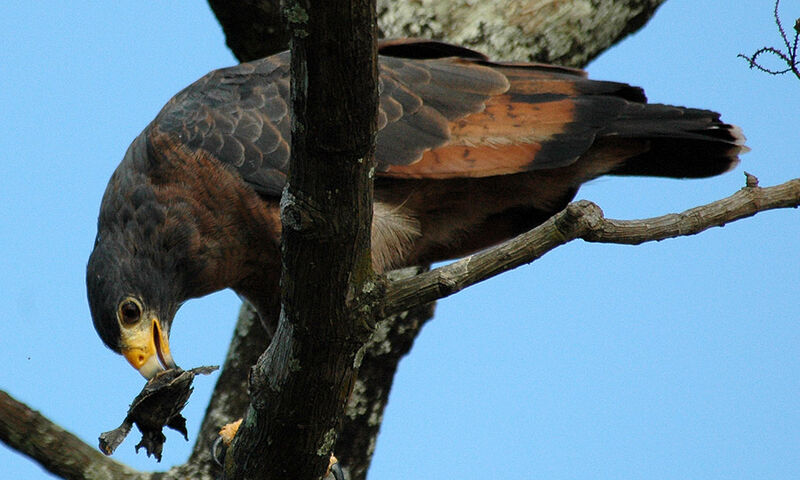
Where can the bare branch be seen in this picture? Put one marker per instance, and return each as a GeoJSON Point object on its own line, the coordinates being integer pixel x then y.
{"type": "Point", "coordinates": [65, 455]}
{"type": "Point", "coordinates": [789, 57]}
{"type": "Point", "coordinates": [584, 220]}
{"type": "Point", "coordinates": [551, 45]}
{"type": "Point", "coordinates": [554, 33]}
{"type": "Point", "coordinates": [54, 448]}
{"type": "Point", "coordinates": [253, 28]}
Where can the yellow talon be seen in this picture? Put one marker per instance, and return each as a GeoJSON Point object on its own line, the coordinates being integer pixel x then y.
{"type": "Point", "coordinates": [229, 431]}
{"type": "Point", "coordinates": [331, 463]}
{"type": "Point", "coordinates": [335, 468]}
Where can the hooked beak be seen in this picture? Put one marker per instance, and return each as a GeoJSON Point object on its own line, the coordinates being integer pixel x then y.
{"type": "Point", "coordinates": [147, 349]}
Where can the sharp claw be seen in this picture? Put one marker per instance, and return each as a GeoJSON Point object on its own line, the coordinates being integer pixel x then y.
{"type": "Point", "coordinates": [217, 447]}
{"type": "Point", "coordinates": [220, 445]}
{"type": "Point", "coordinates": [337, 472]}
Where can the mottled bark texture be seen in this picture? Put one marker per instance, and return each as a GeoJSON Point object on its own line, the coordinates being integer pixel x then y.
{"type": "Point", "coordinates": [566, 32]}
{"type": "Point", "coordinates": [229, 400]}
{"type": "Point", "coordinates": [300, 385]}
{"type": "Point", "coordinates": [571, 32]}
{"type": "Point", "coordinates": [392, 340]}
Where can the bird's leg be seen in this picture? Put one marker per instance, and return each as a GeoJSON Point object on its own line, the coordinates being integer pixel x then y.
{"type": "Point", "coordinates": [228, 432]}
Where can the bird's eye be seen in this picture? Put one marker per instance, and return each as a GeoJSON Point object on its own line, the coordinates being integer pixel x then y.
{"type": "Point", "coordinates": [129, 312]}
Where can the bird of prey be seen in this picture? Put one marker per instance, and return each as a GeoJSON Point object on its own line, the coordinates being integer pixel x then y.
{"type": "Point", "coordinates": [469, 153]}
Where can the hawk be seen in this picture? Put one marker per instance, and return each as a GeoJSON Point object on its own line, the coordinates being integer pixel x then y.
{"type": "Point", "coordinates": [470, 152]}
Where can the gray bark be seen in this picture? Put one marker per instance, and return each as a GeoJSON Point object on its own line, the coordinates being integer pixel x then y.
{"type": "Point", "coordinates": [564, 32]}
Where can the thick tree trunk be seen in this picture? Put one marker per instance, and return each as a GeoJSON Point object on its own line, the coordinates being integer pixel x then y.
{"type": "Point", "coordinates": [565, 32]}
{"type": "Point", "coordinates": [300, 385]}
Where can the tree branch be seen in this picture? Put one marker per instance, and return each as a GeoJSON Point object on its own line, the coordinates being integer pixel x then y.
{"type": "Point", "coordinates": [253, 28]}
{"type": "Point", "coordinates": [789, 57]}
{"type": "Point", "coordinates": [568, 32]}
{"type": "Point", "coordinates": [229, 400]}
{"type": "Point", "coordinates": [391, 341]}
{"type": "Point", "coordinates": [584, 220]}
{"type": "Point", "coordinates": [65, 455]}
{"type": "Point", "coordinates": [552, 34]}
{"type": "Point", "coordinates": [565, 32]}
{"type": "Point", "coordinates": [58, 451]}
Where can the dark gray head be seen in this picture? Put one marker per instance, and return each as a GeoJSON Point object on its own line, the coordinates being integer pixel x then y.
{"type": "Point", "coordinates": [132, 305]}
{"type": "Point", "coordinates": [139, 271]}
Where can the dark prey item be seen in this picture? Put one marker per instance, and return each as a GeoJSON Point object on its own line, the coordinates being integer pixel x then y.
{"type": "Point", "coordinates": [159, 404]}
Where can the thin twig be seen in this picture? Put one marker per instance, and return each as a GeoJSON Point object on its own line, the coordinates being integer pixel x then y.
{"type": "Point", "coordinates": [790, 57]}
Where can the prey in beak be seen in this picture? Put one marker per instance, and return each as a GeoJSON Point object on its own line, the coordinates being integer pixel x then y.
{"type": "Point", "coordinates": [146, 347]}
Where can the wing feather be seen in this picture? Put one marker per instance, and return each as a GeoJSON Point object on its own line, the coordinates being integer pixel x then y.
{"type": "Point", "coordinates": [439, 116]}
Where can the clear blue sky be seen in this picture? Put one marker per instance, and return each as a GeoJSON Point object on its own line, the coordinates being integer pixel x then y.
{"type": "Point", "coordinates": [665, 361]}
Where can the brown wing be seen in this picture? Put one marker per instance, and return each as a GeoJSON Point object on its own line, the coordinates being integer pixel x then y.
{"type": "Point", "coordinates": [239, 115]}
{"type": "Point", "coordinates": [445, 112]}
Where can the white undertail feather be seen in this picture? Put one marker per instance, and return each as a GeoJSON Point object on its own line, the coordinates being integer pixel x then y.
{"type": "Point", "coordinates": [394, 231]}
{"type": "Point", "coordinates": [739, 137]}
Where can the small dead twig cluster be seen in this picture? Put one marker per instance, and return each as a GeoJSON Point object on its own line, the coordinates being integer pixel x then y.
{"type": "Point", "coordinates": [789, 57]}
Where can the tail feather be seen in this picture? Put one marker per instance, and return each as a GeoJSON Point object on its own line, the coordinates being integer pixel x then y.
{"type": "Point", "coordinates": [683, 142]}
